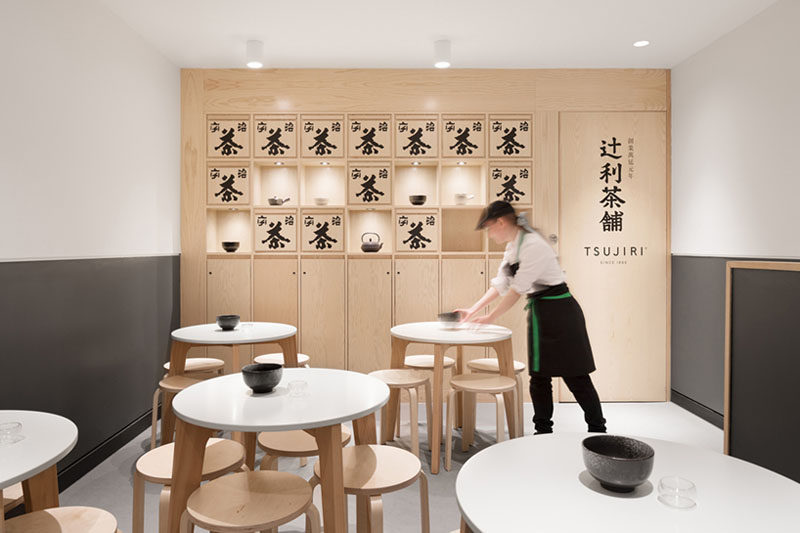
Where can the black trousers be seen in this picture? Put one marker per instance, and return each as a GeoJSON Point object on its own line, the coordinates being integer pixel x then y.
{"type": "Point", "coordinates": [583, 390]}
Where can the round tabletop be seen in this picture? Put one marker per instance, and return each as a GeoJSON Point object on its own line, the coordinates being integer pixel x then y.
{"type": "Point", "coordinates": [244, 333]}
{"type": "Point", "coordinates": [331, 397]}
{"type": "Point", "coordinates": [463, 333]}
{"type": "Point", "coordinates": [541, 481]}
{"type": "Point", "coordinates": [48, 438]}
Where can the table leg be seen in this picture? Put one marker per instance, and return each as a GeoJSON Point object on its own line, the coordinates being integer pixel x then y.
{"type": "Point", "coordinates": [248, 440]}
{"type": "Point", "coordinates": [505, 360]}
{"type": "Point", "coordinates": [435, 428]}
{"type": "Point", "coordinates": [289, 347]}
{"type": "Point", "coordinates": [177, 357]}
{"type": "Point", "coordinates": [459, 369]}
{"type": "Point", "coordinates": [41, 491]}
{"type": "Point", "coordinates": [364, 432]}
{"type": "Point", "coordinates": [187, 468]}
{"type": "Point", "coordinates": [2, 516]}
{"type": "Point", "coordinates": [464, 527]}
{"type": "Point", "coordinates": [236, 364]}
{"type": "Point", "coordinates": [334, 501]}
{"type": "Point", "coordinates": [167, 418]}
{"type": "Point", "coordinates": [388, 421]}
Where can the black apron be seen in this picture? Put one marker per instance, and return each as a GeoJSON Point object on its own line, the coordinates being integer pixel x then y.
{"type": "Point", "coordinates": [558, 344]}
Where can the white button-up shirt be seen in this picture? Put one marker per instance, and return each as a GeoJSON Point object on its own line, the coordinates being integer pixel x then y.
{"type": "Point", "coordinates": [538, 266]}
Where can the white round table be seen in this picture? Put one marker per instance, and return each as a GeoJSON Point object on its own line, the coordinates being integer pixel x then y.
{"type": "Point", "coordinates": [48, 439]}
{"type": "Point", "coordinates": [212, 335]}
{"type": "Point", "coordinates": [332, 397]}
{"type": "Point", "coordinates": [442, 337]}
{"type": "Point", "coordinates": [540, 483]}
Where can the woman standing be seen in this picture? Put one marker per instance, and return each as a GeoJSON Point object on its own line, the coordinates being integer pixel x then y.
{"type": "Point", "coordinates": [558, 344]}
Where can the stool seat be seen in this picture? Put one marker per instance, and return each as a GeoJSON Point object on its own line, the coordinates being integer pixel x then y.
{"type": "Point", "coordinates": [175, 384]}
{"type": "Point", "coordinates": [222, 455]}
{"type": "Point", "coordinates": [200, 364]}
{"type": "Point", "coordinates": [490, 364]}
{"type": "Point", "coordinates": [64, 520]}
{"type": "Point", "coordinates": [296, 443]}
{"type": "Point", "coordinates": [249, 500]}
{"type": "Point", "coordinates": [426, 361]}
{"type": "Point", "coordinates": [372, 469]}
{"type": "Point", "coordinates": [399, 378]}
{"type": "Point", "coordinates": [12, 496]}
{"type": "Point", "coordinates": [277, 358]}
{"type": "Point", "coordinates": [489, 383]}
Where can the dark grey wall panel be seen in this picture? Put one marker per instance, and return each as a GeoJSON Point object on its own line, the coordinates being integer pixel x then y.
{"type": "Point", "coordinates": [86, 339]}
{"type": "Point", "coordinates": [765, 344]}
{"type": "Point", "coordinates": [698, 329]}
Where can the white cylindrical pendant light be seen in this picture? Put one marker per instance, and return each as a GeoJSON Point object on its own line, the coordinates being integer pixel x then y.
{"type": "Point", "coordinates": [255, 54]}
{"type": "Point", "coordinates": [441, 53]}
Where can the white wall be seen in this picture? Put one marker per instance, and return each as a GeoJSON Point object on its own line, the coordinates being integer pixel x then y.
{"type": "Point", "coordinates": [736, 141]}
{"type": "Point", "coordinates": [89, 135]}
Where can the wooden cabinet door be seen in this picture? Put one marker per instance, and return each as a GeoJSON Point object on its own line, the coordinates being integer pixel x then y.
{"type": "Point", "coordinates": [369, 314]}
{"type": "Point", "coordinates": [322, 312]}
{"type": "Point", "coordinates": [416, 294]}
{"type": "Point", "coordinates": [275, 289]}
{"type": "Point", "coordinates": [463, 283]}
{"type": "Point", "coordinates": [228, 286]}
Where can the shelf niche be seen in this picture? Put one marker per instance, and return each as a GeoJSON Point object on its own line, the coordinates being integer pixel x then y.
{"type": "Point", "coordinates": [458, 230]}
{"type": "Point", "coordinates": [412, 180]}
{"type": "Point", "coordinates": [368, 220]}
{"type": "Point", "coordinates": [275, 180]}
{"type": "Point", "coordinates": [463, 179]}
{"type": "Point", "coordinates": [228, 225]}
{"type": "Point", "coordinates": [326, 181]}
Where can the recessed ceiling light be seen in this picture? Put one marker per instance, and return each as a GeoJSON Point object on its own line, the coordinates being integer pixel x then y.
{"type": "Point", "coordinates": [415, 163]}
{"type": "Point", "coordinates": [255, 54]}
{"type": "Point", "coordinates": [640, 44]}
{"type": "Point", "coordinates": [441, 53]}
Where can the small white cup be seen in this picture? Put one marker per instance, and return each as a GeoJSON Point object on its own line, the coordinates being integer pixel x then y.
{"type": "Point", "coordinates": [298, 388]}
{"type": "Point", "coordinates": [10, 432]}
{"type": "Point", "coordinates": [677, 492]}
{"type": "Point", "coordinates": [462, 197]}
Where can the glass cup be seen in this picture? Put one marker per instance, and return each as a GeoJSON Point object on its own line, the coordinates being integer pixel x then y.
{"type": "Point", "coordinates": [298, 388]}
{"type": "Point", "coordinates": [677, 492]}
{"type": "Point", "coordinates": [10, 432]}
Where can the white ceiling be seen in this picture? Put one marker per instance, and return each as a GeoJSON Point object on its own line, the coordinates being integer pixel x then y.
{"type": "Point", "coordinates": [400, 33]}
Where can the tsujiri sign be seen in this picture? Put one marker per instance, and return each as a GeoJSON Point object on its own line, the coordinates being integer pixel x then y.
{"type": "Point", "coordinates": [614, 215]}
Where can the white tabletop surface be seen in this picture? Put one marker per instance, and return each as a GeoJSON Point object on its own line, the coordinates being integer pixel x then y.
{"type": "Point", "coordinates": [333, 396]}
{"type": "Point", "coordinates": [436, 333]}
{"type": "Point", "coordinates": [244, 333]}
{"type": "Point", "coordinates": [540, 483]}
{"type": "Point", "coordinates": [48, 439]}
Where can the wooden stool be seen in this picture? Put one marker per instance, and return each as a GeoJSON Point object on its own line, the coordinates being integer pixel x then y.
{"type": "Point", "coordinates": [173, 384]}
{"type": "Point", "coordinates": [372, 469]}
{"type": "Point", "coordinates": [221, 456]}
{"type": "Point", "coordinates": [250, 502]}
{"type": "Point", "coordinates": [277, 358]}
{"type": "Point", "coordinates": [296, 443]}
{"type": "Point", "coordinates": [64, 520]}
{"type": "Point", "coordinates": [425, 362]}
{"type": "Point", "coordinates": [397, 378]}
{"type": "Point", "coordinates": [12, 497]}
{"type": "Point", "coordinates": [472, 384]}
{"type": "Point", "coordinates": [201, 365]}
{"type": "Point", "coordinates": [489, 365]}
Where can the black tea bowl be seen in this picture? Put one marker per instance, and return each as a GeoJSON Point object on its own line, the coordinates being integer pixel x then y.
{"type": "Point", "coordinates": [620, 464]}
{"type": "Point", "coordinates": [417, 199]}
{"type": "Point", "coordinates": [230, 246]}
{"type": "Point", "coordinates": [450, 320]}
{"type": "Point", "coordinates": [262, 377]}
{"type": "Point", "coordinates": [227, 322]}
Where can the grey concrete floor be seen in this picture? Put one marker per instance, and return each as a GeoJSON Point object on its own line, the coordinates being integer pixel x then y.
{"type": "Point", "coordinates": [110, 484]}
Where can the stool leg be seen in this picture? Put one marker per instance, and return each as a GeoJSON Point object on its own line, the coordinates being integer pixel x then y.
{"type": "Point", "coordinates": [186, 524]}
{"type": "Point", "coordinates": [312, 519]}
{"type": "Point", "coordinates": [154, 419]}
{"type": "Point", "coordinates": [428, 411]}
{"type": "Point", "coordinates": [501, 422]}
{"type": "Point", "coordinates": [138, 503]}
{"type": "Point", "coordinates": [269, 462]}
{"type": "Point", "coordinates": [397, 418]}
{"type": "Point", "coordinates": [520, 411]}
{"type": "Point", "coordinates": [303, 461]}
{"type": "Point", "coordinates": [414, 408]}
{"type": "Point", "coordinates": [376, 514]}
{"type": "Point", "coordinates": [518, 414]}
{"type": "Point", "coordinates": [468, 431]}
{"type": "Point", "coordinates": [448, 439]}
{"type": "Point", "coordinates": [383, 417]}
{"type": "Point", "coordinates": [163, 509]}
{"type": "Point", "coordinates": [423, 502]}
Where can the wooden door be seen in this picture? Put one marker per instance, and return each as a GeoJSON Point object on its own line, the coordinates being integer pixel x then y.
{"type": "Point", "coordinates": [322, 311]}
{"type": "Point", "coordinates": [275, 293]}
{"type": "Point", "coordinates": [463, 283]}
{"type": "Point", "coordinates": [613, 221]}
{"type": "Point", "coordinates": [369, 314]}
{"type": "Point", "coordinates": [228, 286]}
{"type": "Point", "coordinates": [416, 294]}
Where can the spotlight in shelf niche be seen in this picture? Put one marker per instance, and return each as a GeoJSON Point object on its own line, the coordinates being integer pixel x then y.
{"type": "Point", "coordinates": [233, 209]}
{"type": "Point", "coordinates": [415, 163]}
{"type": "Point", "coordinates": [279, 163]}
{"type": "Point", "coordinates": [441, 53]}
{"type": "Point", "coordinates": [255, 54]}
{"type": "Point", "coordinates": [461, 163]}
{"type": "Point", "coordinates": [324, 163]}
{"type": "Point", "coordinates": [641, 44]}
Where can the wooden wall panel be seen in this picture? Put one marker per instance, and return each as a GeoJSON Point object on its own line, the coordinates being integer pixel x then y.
{"type": "Point", "coordinates": [545, 176]}
{"type": "Point", "coordinates": [322, 317]}
{"type": "Point", "coordinates": [369, 314]}
{"type": "Point", "coordinates": [416, 290]}
{"type": "Point", "coordinates": [275, 295]}
{"type": "Point", "coordinates": [623, 296]}
{"type": "Point", "coordinates": [228, 285]}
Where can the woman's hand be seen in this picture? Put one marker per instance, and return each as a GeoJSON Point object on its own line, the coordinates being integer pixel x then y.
{"type": "Point", "coordinates": [482, 319]}
{"type": "Point", "coordinates": [465, 314]}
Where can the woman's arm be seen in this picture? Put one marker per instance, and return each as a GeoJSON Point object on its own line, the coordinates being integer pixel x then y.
{"type": "Point", "coordinates": [486, 299]}
{"type": "Point", "coordinates": [505, 304]}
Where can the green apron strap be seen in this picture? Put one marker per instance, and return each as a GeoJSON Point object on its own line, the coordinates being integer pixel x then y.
{"type": "Point", "coordinates": [559, 297]}
{"type": "Point", "coordinates": [534, 335]}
